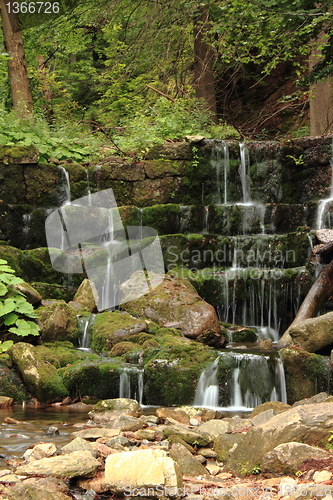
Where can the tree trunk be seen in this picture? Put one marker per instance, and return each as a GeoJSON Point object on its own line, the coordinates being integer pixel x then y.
{"type": "Point", "coordinates": [321, 98]}
{"type": "Point", "coordinates": [17, 68]}
{"type": "Point", "coordinates": [203, 63]}
{"type": "Point", "coordinates": [318, 294]}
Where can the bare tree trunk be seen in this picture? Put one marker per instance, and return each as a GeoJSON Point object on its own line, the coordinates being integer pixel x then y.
{"type": "Point", "coordinates": [17, 68]}
{"type": "Point", "coordinates": [203, 63]}
{"type": "Point", "coordinates": [318, 294]}
{"type": "Point", "coordinates": [321, 98]}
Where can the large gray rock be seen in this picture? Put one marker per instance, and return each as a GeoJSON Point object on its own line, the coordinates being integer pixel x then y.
{"type": "Point", "coordinates": [143, 473]}
{"type": "Point", "coordinates": [188, 435]}
{"type": "Point", "coordinates": [109, 409]}
{"type": "Point", "coordinates": [173, 303]}
{"type": "Point", "coordinates": [309, 424]}
{"type": "Point", "coordinates": [215, 427]}
{"type": "Point", "coordinates": [286, 458]}
{"type": "Point", "coordinates": [76, 464]}
{"type": "Point", "coordinates": [314, 333]}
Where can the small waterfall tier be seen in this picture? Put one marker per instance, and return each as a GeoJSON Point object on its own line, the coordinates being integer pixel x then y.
{"type": "Point", "coordinates": [240, 381]}
{"type": "Point", "coordinates": [84, 325]}
{"type": "Point", "coordinates": [131, 383]}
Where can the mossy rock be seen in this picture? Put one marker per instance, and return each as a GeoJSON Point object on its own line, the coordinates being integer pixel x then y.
{"type": "Point", "coordinates": [18, 154]}
{"type": "Point", "coordinates": [109, 328]}
{"type": "Point", "coordinates": [10, 383]}
{"type": "Point", "coordinates": [55, 292]}
{"type": "Point", "coordinates": [122, 348]}
{"type": "Point", "coordinates": [163, 218]}
{"type": "Point", "coordinates": [97, 379]}
{"type": "Point", "coordinates": [40, 377]}
{"type": "Point", "coordinates": [59, 322]}
{"type": "Point", "coordinates": [306, 374]}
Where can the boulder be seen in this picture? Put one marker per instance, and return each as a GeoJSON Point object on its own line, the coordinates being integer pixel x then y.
{"type": "Point", "coordinates": [41, 450]}
{"type": "Point", "coordinates": [78, 444]}
{"type": "Point", "coordinates": [324, 235]}
{"type": "Point", "coordinates": [87, 295]}
{"type": "Point", "coordinates": [314, 333]}
{"type": "Point", "coordinates": [174, 303]}
{"type": "Point", "coordinates": [189, 436]}
{"type": "Point", "coordinates": [78, 463]}
{"type": "Point", "coordinates": [178, 415]}
{"type": "Point", "coordinates": [59, 322]}
{"type": "Point", "coordinates": [187, 463]}
{"type": "Point", "coordinates": [28, 491]}
{"type": "Point", "coordinates": [5, 401]}
{"type": "Point", "coordinates": [95, 433]}
{"type": "Point", "coordinates": [127, 423]}
{"type": "Point", "coordinates": [286, 458]}
{"type": "Point", "coordinates": [224, 443]}
{"type": "Point", "coordinates": [147, 473]}
{"type": "Point", "coordinates": [40, 377]}
{"type": "Point", "coordinates": [215, 427]}
{"type": "Point", "coordinates": [309, 424]}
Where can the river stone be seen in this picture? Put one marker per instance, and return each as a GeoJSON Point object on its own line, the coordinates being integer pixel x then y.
{"type": "Point", "coordinates": [127, 423]}
{"type": "Point", "coordinates": [28, 491]}
{"type": "Point", "coordinates": [128, 406]}
{"type": "Point", "coordinates": [314, 333]}
{"type": "Point", "coordinates": [178, 415]}
{"type": "Point", "coordinates": [274, 405]}
{"type": "Point", "coordinates": [5, 401]}
{"type": "Point", "coordinates": [174, 303]}
{"type": "Point", "coordinates": [87, 295]}
{"type": "Point", "coordinates": [78, 463]}
{"type": "Point", "coordinates": [324, 235]}
{"type": "Point", "coordinates": [77, 444]}
{"type": "Point", "coordinates": [148, 434]}
{"type": "Point", "coordinates": [149, 471]}
{"type": "Point", "coordinates": [188, 435]}
{"type": "Point", "coordinates": [262, 417]}
{"type": "Point", "coordinates": [286, 458]}
{"type": "Point", "coordinates": [309, 424]}
{"type": "Point", "coordinates": [39, 451]}
{"type": "Point", "coordinates": [187, 463]}
{"type": "Point", "coordinates": [215, 427]}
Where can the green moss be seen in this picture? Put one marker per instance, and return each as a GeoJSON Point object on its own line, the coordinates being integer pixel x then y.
{"type": "Point", "coordinates": [8, 153]}
{"type": "Point", "coordinates": [122, 348]}
{"type": "Point", "coordinates": [163, 218]}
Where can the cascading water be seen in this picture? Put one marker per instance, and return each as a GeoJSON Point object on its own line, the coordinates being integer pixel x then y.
{"type": "Point", "coordinates": [324, 216]}
{"type": "Point", "coordinates": [220, 159]}
{"type": "Point", "coordinates": [243, 171]}
{"type": "Point", "coordinates": [84, 325]}
{"type": "Point", "coordinates": [131, 383]}
{"type": "Point", "coordinates": [254, 378]}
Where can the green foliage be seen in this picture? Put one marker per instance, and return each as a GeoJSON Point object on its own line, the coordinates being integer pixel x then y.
{"type": "Point", "coordinates": [65, 142]}
{"type": "Point", "coordinates": [15, 311]}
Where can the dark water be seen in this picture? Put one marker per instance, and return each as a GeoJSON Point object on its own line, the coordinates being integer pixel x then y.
{"type": "Point", "coordinates": [34, 421]}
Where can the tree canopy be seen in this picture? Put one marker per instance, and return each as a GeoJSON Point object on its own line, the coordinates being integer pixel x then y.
{"type": "Point", "coordinates": [128, 71]}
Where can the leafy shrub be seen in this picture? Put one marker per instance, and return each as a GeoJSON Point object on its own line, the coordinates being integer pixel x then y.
{"type": "Point", "coordinates": [16, 312]}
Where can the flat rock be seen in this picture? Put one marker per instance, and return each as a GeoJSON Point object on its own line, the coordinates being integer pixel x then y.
{"type": "Point", "coordinates": [76, 464]}
{"type": "Point", "coordinates": [178, 415]}
{"type": "Point", "coordinates": [215, 427]}
{"type": "Point", "coordinates": [144, 473]}
{"type": "Point", "coordinates": [324, 235]}
{"type": "Point", "coordinates": [286, 458]}
{"type": "Point", "coordinates": [188, 435]}
{"type": "Point", "coordinates": [96, 432]}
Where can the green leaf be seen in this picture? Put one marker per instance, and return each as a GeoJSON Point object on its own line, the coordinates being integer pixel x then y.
{"type": "Point", "coordinates": [24, 307]}
{"type": "Point", "coordinates": [3, 289]}
{"type": "Point", "coordinates": [4, 346]}
{"type": "Point", "coordinates": [10, 318]}
{"type": "Point", "coordinates": [8, 306]}
{"type": "Point", "coordinates": [25, 328]}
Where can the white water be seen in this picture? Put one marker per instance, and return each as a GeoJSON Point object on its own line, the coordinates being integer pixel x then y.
{"type": "Point", "coordinates": [66, 187]}
{"type": "Point", "coordinates": [322, 214]}
{"type": "Point", "coordinates": [131, 383]}
{"type": "Point", "coordinates": [243, 172]}
{"type": "Point", "coordinates": [220, 160]}
{"type": "Point", "coordinates": [255, 379]}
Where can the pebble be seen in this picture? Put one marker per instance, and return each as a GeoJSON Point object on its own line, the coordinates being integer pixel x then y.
{"type": "Point", "coordinates": [322, 476]}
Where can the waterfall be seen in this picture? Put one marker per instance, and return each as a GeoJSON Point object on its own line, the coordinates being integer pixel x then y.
{"type": "Point", "coordinates": [131, 383]}
{"type": "Point", "coordinates": [322, 213]}
{"type": "Point", "coordinates": [254, 378]}
{"type": "Point", "coordinates": [220, 160]}
{"type": "Point", "coordinates": [243, 171]}
{"type": "Point", "coordinates": [66, 187]}
{"type": "Point", "coordinates": [84, 325]}
{"type": "Point", "coordinates": [207, 391]}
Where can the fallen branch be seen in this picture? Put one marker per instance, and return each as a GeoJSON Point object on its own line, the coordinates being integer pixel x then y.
{"type": "Point", "coordinates": [161, 93]}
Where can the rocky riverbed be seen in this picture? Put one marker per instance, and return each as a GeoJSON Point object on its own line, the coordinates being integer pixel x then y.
{"type": "Point", "coordinates": [278, 451]}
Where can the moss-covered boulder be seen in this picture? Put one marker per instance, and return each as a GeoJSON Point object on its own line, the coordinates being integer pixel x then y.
{"type": "Point", "coordinates": [59, 322]}
{"type": "Point", "coordinates": [128, 406]}
{"type": "Point", "coordinates": [87, 295]}
{"type": "Point", "coordinates": [174, 303]}
{"type": "Point", "coordinates": [110, 328]}
{"type": "Point", "coordinates": [30, 293]}
{"type": "Point", "coordinates": [39, 375]}
{"type": "Point", "coordinates": [11, 385]}
{"type": "Point", "coordinates": [306, 374]}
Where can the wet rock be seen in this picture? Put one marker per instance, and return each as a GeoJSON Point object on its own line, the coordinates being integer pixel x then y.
{"type": "Point", "coordinates": [324, 235]}
{"type": "Point", "coordinates": [286, 458]}
{"type": "Point", "coordinates": [87, 295]}
{"type": "Point", "coordinates": [52, 431]}
{"type": "Point", "coordinates": [145, 472]}
{"type": "Point", "coordinates": [78, 463]}
{"type": "Point", "coordinates": [309, 424]}
{"type": "Point", "coordinates": [187, 463]}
